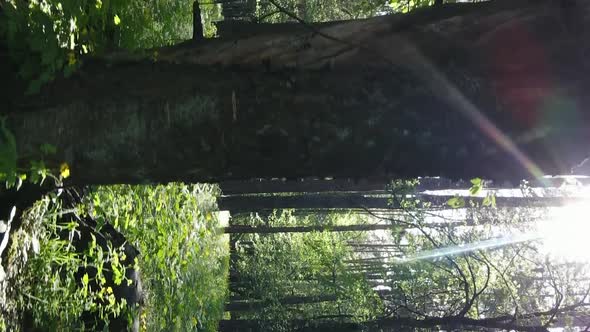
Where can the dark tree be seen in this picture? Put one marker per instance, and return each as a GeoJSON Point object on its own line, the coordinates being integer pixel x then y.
{"type": "Point", "coordinates": [492, 89]}
{"type": "Point", "coordinates": [197, 24]}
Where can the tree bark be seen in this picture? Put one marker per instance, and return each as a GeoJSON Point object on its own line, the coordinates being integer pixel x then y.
{"type": "Point", "coordinates": [197, 23]}
{"type": "Point", "coordinates": [314, 185]}
{"type": "Point", "coordinates": [302, 9]}
{"type": "Point", "coordinates": [393, 324]}
{"type": "Point", "coordinates": [494, 89]}
{"type": "Point", "coordinates": [254, 304]}
{"type": "Point", "coordinates": [245, 229]}
{"type": "Point", "coordinates": [243, 204]}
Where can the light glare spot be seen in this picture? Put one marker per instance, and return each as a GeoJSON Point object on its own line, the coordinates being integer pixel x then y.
{"type": "Point", "coordinates": [565, 232]}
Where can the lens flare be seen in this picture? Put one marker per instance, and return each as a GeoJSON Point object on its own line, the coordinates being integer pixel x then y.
{"type": "Point", "coordinates": [565, 232]}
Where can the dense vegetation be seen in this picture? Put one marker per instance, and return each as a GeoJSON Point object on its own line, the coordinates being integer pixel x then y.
{"type": "Point", "coordinates": [284, 277]}
{"type": "Point", "coordinates": [468, 264]}
{"type": "Point", "coordinates": [182, 260]}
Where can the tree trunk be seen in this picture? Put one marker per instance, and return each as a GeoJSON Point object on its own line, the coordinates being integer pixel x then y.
{"type": "Point", "coordinates": [264, 186]}
{"type": "Point", "coordinates": [237, 325]}
{"type": "Point", "coordinates": [241, 204]}
{"type": "Point", "coordinates": [245, 229]}
{"type": "Point", "coordinates": [435, 323]}
{"type": "Point", "coordinates": [494, 89]}
{"type": "Point", "coordinates": [197, 22]}
{"type": "Point", "coordinates": [253, 305]}
{"type": "Point", "coordinates": [302, 9]}
{"type": "Point", "coordinates": [350, 201]}
{"type": "Point", "coordinates": [314, 185]}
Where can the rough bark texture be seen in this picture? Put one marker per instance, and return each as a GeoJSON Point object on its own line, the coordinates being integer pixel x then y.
{"type": "Point", "coordinates": [495, 89]}
{"type": "Point", "coordinates": [197, 24]}
{"type": "Point", "coordinates": [242, 204]}
{"type": "Point", "coordinates": [373, 185]}
{"type": "Point", "coordinates": [392, 325]}
{"type": "Point", "coordinates": [247, 229]}
{"type": "Point", "coordinates": [255, 304]}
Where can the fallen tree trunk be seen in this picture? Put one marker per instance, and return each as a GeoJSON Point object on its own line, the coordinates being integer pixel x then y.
{"type": "Point", "coordinates": [494, 89]}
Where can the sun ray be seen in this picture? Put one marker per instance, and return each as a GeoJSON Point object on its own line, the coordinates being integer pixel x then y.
{"type": "Point", "coordinates": [470, 247]}
{"type": "Point", "coordinates": [467, 108]}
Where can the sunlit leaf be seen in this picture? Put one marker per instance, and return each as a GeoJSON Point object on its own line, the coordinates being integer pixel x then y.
{"type": "Point", "coordinates": [64, 170]}
{"type": "Point", "coordinates": [72, 58]}
{"type": "Point", "coordinates": [85, 279]}
{"type": "Point", "coordinates": [476, 181]}
{"type": "Point", "coordinates": [489, 200]}
{"type": "Point", "coordinates": [456, 202]}
{"type": "Point", "coordinates": [477, 186]}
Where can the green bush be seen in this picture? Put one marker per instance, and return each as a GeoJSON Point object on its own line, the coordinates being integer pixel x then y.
{"type": "Point", "coordinates": [42, 282]}
{"type": "Point", "coordinates": [50, 38]}
{"type": "Point", "coordinates": [184, 261]}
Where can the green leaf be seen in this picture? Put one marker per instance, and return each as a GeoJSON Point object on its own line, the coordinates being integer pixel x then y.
{"type": "Point", "coordinates": [85, 279]}
{"type": "Point", "coordinates": [456, 202]}
{"type": "Point", "coordinates": [477, 186]}
{"type": "Point", "coordinates": [117, 20]}
{"type": "Point", "coordinates": [489, 200]}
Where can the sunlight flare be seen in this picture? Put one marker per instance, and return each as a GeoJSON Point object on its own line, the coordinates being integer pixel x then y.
{"type": "Point", "coordinates": [565, 232]}
{"type": "Point", "coordinates": [469, 247]}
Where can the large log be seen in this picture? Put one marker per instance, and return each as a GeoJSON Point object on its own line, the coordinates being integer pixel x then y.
{"type": "Point", "coordinates": [495, 89]}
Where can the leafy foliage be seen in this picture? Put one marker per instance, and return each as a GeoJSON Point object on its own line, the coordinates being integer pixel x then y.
{"type": "Point", "coordinates": [473, 266]}
{"type": "Point", "coordinates": [43, 278]}
{"type": "Point", "coordinates": [321, 11]}
{"type": "Point", "coordinates": [13, 175]}
{"type": "Point", "coordinates": [274, 269]}
{"type": "Point", "coordinates": [477, 186]}
{"type": "Point", "coordinates": [183, 258]}
{"type": "Point", "coordinates": [468, 264]}
{"type": "Point", "coordinates": [50, 38]}
{"type": "Point", "coordinates": [405, 6]}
